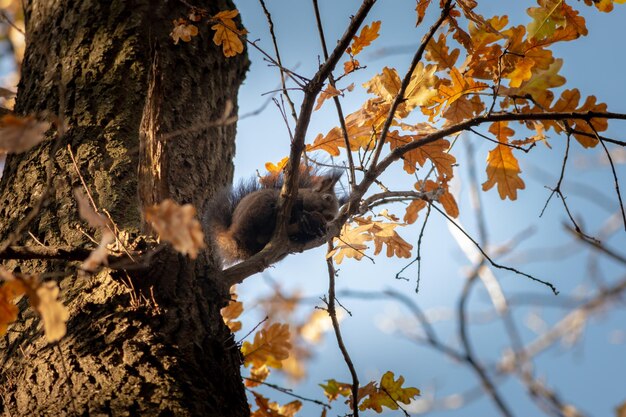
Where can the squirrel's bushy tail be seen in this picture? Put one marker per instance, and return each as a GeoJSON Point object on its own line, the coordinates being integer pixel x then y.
{"type": "Point", "coordinates": [219, 217]}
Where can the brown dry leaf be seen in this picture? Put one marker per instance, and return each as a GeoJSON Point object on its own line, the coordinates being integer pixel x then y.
{"type": "Point", "coordinates": [328, 92]}
{"type": "Point", "coordinates": [270, 346]}
{"type": "Point", "coordinates": [272, 409]}
{"type": "Point", "coordinates": [178, 225]}
{"type": "Point", "coordinates": [183, 30]}
{"type": "Point", "coordinates": [350, 66]}
{"type": "Point", "coordinates": [53, 313]}
{"type": "Point", "coordinates": [389, 216]}
{"type": "Point", "coordinates": [412, 211]}
{"type": "Point", "coordinates": [366, 37]}
{"type": "Point", "coordinates": [436, 152]}
{"type": "Point", "coordinates": [227, 34]}
{"type": "Point", "coordinates": [19, 134]}
{"type": "Point", "coordinates": [420, 9]}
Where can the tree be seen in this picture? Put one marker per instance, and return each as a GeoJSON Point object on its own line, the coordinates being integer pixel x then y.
{"type": "Point", "coordinates": [109, 74]}
{"type": "Point", "coordinates": [150, 343]}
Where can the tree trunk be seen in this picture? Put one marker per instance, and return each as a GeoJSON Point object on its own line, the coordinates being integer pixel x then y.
{"type": "Point", "coordinates": [139, 342]}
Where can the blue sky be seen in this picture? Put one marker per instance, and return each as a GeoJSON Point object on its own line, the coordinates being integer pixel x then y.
{"type": "Point", "coordinates": [591, 374]}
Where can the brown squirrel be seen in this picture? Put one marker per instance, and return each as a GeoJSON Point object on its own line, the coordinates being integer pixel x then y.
{"type": "Point", "coordinates": [242, 220]}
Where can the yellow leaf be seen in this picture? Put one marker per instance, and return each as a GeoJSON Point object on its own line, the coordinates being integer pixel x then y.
{"type": "Point", "coordinates": [317, 323]}
{"type": "Point", "coordinates": [367, 35]}
{"type": "Point", "coordinates": [19, 134]}
{"type": "Point", "coordinates": [227, 34]}
{"type": "Point", "coordinates": [384, 234]}
{"type": "Point", "coordinates": [257, 376]}
{"type": "Point", "coordinates": [177, 224]}
{"type": "Point", "coordinates": [269, 346]}
{"type": "Point", "coordinates": [503, 170]}
{"type": "Point", "coordinates": [183, 31]}
{"type": "Point", "coordinates": [351, 242]}
{"type": "Point", "coordinates": [389, 394]}
{"type": "Point", "coordinates": [333, 389]}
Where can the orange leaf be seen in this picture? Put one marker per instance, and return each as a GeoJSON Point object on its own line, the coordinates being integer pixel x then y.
{"type": "Point", "coordinates": [350, 66]}
{"type": "Point", "coordinates": [421, 7]}
{"type": "Point", "coordinates": [10, 289]}
{"type": "Point", "coordinates": [328, 92]}
{"type": "Point", "coordinates": [231, 312]}
{"type": "Point", "coordinates": [270, 346]}
{"type": "Point", "coordinates": [438, 52]}
{"type": "Point", "coordinates": [227, 34]}
{"type": "Point", "coordinates": [367, 35]}
{"type": "Point", "coordinates": [503, 170]}
{"type": "Point", "coordinates": [436, 152]}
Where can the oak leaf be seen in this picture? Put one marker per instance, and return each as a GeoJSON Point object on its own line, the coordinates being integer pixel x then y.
{"type": "Point", "coordinates": [351, 242]}
{"type": "Point", "coordinates": [502, 167]}
{"type": "Point", "coordinates": [388, 394]}
{"type": "Point", "coordinates": [420, 9]}
{"type": "Point", "coordinates": [272, 409]}
{"type": "Point", "coordinates": [270, 345]}
{"type": "Point", "coordinates": [183, 30]}
{"type": "Point", "coordinates": [178, 225]}
{"type": "Point", "coordinates": [227, 34]}
{"type": "Point", "coordinates": [231, 312]}
{"type": "Point", "coordinates": [438, 52]}
{"type": "Point", "coordinates": [333, 389]}
{"type": "Point", "coordinates": [328, 92]}
{"type": "Point", "coordinates": [367, 35]}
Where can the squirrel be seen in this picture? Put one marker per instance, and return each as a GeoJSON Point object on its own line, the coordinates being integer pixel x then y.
{"type": "Point", "coordinates": [242, 219]}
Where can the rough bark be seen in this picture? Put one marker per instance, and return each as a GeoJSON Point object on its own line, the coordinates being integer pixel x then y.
{"type": "Point", "coordinates": [111, 70]}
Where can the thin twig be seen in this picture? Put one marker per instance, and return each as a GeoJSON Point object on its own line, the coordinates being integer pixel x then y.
{"type": "Point", "coordinates": [491, 261]}
{"type": "Point", "coordinates": [333, 316]}
{"type": "Point", "coordinates": [270, 23]}
{"type": "Point", "coordinates": [331, 80]}
{"type": "Point", "coordinates": [287, 391]}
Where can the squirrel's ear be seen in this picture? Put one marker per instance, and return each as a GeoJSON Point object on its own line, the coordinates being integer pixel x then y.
{"type": "Point", "coordinates": [326, 183]}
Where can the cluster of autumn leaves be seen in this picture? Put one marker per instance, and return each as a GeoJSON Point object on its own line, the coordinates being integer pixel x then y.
{"type": "Point", "coordinates": [273, 347]}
